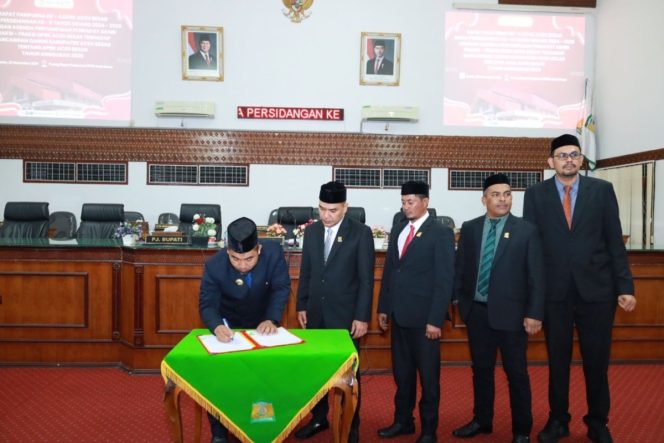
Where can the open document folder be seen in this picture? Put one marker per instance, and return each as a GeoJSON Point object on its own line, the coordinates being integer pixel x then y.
{"type": "Point", "coordinates": [247, 340]}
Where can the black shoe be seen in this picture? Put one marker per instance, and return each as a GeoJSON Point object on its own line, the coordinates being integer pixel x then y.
{"type": "Point", "coordinates": [426, 438]}
{"type": "Point", "coordinates": [397, 429]}
{"type": "Point", "coordinates": [219, 439]}
{"type": "Point", "coordinates": [312, 428]}
{"type": "Point", "coordinates": [471, 430]}
{"type": "Point", "coordinates": [599, 434]}
{"type": "Point", "coordinates": [553, 431]}
{"type": "Point", "coordinates": [520, 438]}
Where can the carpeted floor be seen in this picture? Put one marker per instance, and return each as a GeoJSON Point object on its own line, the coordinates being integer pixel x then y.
{"type": "Point", "coordinates": [109, 405]}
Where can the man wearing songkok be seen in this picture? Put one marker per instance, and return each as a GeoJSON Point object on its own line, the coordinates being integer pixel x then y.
{"type": "Point", "coordinates": [336, 284]}
{"type": "Point", "coordinates": [587, 275]}
{"type": "Point", "coordinates": [415, 293]}
{"type": "Point", "coordinates": [244, 286]}
{"type": "Point", "coordinates": [499, 285]}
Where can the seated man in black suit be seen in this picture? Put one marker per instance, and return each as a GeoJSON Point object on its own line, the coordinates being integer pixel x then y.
{"type": "Point", "coordinates": [499, 284]}
{"type": "Point", "coordinates": [244, 286]}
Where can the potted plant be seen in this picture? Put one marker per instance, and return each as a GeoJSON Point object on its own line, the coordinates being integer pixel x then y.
{"type": "Point", "coordinates": [299, 232]}
{"type": "Point", "coordinates": [128, 233]}
{"type": "Point", "coordinates": [380, 236]}
{"type": "Point", "coordinates": [276, 231]}
{"type": "Point", "coordinates": [204, 230]}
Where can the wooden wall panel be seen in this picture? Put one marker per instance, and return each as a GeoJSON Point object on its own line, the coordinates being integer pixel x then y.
{"type": "Point", "coordinates": [158, 298]}
{"type": "Point", "coordinates": [45, 143]}
{"type": "Point", "coordinates": [239, 147]}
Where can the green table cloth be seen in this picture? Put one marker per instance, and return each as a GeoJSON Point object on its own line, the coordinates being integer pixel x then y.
{"type": "Point", "coordinates": [292, 378]}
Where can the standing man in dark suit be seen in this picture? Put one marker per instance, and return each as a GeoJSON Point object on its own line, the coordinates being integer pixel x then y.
{"type": "Point", "coordinates": [336, 283]}
{"type": "Point", "coordinates": [499, 284]}
{"type": "Point", "coordinates": [586, 274]}
{"type": "Point", "coordinates": [203, 59]}
{"type": "Point", "coordinates": [245, 286]}
{"type": "Point", "coordinates": [379, 64]}
{"type": "Point", "coordinates": [414, 297]}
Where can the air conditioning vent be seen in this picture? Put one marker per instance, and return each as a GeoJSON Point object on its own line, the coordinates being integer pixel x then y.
{"type": "Point", "coordinates": [391, 113]}
{"type": "Point", "coordinates": [184, 109]}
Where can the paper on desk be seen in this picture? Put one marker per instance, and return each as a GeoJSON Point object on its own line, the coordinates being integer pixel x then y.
{"type": "Point", "coordinates": [214, 346]}
{"type": "Point", "coordinates": [281, 338]}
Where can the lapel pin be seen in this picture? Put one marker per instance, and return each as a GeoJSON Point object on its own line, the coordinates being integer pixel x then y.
{"type": "Point", "coordinates": [239, 282]}
{"type": "Point", "coordinates": [340, 239]}
{"type": "Point", "coordinates": [419, 234]}
{"type": "Point", "coordinates": [506, 235]}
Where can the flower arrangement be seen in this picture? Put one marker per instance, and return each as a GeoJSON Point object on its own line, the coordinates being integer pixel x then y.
{"type": "Point", "coordinates": [275, 230]}
{"type": "Point", "coordinates": [378, 232]}
{"type": "Point", "coordinates": [299, 231]}
{"type": "Point", "coordinates": [203, 226]}
{"type": "Point", "coordinates": [126, 228]}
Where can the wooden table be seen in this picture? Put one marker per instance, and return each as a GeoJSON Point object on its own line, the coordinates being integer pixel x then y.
{"type": "Point", "coordinates": [344, 387]}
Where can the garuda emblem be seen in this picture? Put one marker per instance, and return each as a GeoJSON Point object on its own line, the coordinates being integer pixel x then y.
{"type": "Point", "coordinates": [296, 10]}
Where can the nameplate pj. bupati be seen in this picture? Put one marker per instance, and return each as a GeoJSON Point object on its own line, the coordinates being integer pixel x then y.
{"type": "Point", "coordinates": [168, 239]}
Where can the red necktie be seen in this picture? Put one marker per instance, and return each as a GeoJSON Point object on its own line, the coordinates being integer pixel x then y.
{"type": "Point", "coordinates": [376, 66]}
{"type": "Point", "coordinates": [567, 205]}
{"type": "Point", "coordinates": [411, 234]}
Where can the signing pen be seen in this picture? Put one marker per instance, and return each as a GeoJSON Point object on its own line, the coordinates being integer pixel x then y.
{"type": "Point", "coordinates": [226, 324]}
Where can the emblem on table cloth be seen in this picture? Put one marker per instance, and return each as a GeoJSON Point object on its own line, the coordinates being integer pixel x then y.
{"type": "Point", "coordinates": [296, 10]}
{"type": "Point", "coordinates": [262, 411]}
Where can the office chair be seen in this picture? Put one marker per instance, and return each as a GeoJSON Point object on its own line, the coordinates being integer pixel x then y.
{"type": "Point", "coordinates": [100, 220]}
{"type": "Point", "coordinates": [356, 213]}
{"type": "Point", "coordinates": [25, 220]}
{"type": "Point", "coordinates": [187, 211]}
{"type": "Point", "coordinates": [168, 218]}
{"type": "Point", "coordinates": [132, 217]}
{"type": "Point", "coordinates": [291, 216]}
{"type": "Point", "coordinates": [64, 225]}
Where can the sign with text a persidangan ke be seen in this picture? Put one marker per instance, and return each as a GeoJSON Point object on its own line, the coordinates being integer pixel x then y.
{"type": "Point", "coordinates": [280, 113]}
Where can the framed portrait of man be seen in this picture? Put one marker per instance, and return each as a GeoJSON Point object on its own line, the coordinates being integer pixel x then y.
{"type": "Point", "coordinates": [380, 59]}
{"type": "Point", "coordinates": [202, 53]}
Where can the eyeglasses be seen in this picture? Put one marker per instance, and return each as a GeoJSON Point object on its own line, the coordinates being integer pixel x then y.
{"type": "Point", "coordinates": [563, 156]}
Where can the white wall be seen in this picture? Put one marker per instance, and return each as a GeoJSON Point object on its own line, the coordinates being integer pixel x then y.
{"type": "Point", "coordinates": [271, 61]}
{"type": "Point", "coordinates": [629, 89]}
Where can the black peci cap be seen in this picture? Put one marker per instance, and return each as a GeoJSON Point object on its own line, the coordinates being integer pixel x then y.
{"type": "Point", "coordinates": [495, 179]}
{"type": "Point", "coordinates": [242, 235]}
{"type": "Point", "coordinates": [332, 192]}
{"type": "Point", "coordinates": [414, 187]}
{"type": "Point", "coordinates": [564, 140]}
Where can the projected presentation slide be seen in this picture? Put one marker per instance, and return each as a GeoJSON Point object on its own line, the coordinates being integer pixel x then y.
{"type": "Point", "coordinates": [513, 70]}
{"type": "Point", "coordinates": [65, 59]}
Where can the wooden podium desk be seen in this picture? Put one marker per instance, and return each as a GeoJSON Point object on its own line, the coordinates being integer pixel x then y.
{"type": "Point", "coordinates": [97, 302]}
{"type": "Point", "coordinates": [291, 379]}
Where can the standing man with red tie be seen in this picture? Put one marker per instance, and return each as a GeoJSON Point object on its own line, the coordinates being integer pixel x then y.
{"type": "Point", "coordinates": [587, 275]}
{"type": "Point", "coordinates": [415, 294]}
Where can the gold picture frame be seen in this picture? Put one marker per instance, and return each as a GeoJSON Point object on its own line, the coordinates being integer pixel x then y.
{"type": "Point", "coordinates": [202, 53]}
{"type": "Point", "coordinates": [380, 69]}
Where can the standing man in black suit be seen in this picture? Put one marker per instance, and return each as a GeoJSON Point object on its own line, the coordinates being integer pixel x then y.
{"type": "Point", "coordinates": [203, 59]}
{"type": "Point", "coordinates": [499, 284]}
{"type": "Point", "coordinates": [379, 64]}
{"type": "Point", "coordinates": [586, 274]}
{"type": "Point", "coordinates": [414, 297]}
{"type": "Point", "coordinates": [336, 283]}
{"type": "Point", "coordinates": [245, 286]}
